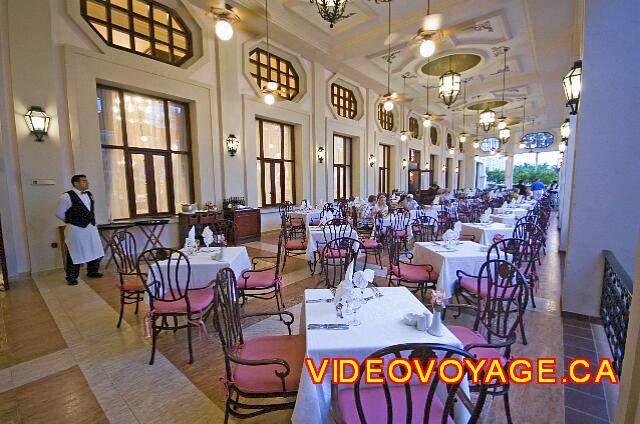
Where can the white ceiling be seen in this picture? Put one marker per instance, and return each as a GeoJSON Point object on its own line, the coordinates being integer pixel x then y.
{"type": "Point", "coordinates": [539, 34]}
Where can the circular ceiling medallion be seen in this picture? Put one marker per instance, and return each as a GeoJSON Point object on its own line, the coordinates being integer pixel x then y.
{"type": "Point", "coordinates": [458, 62]}
{"type": "Point", "coordinates": [493, 104]}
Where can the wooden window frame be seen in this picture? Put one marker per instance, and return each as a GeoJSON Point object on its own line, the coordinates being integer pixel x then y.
{"type": "Point", "coordinates": [148, 154]}
{"type": "Point", "coordinates": [262, 161]}
{"type": "Point", "coordinates": [133, 34]}
{"type": "Point", "coordinates": [450, 143]}
{"type": "Point", "coordinates": [349, 107]}
{"type": "Point", "coordinates": [384, 170]}
{"type": "Point", "coordinates": [342, 169]}
{"type": "Point", "coordinates": [433, 131]}
{"type": "Point", "coordinates": [385, 118]}
{"type": "Point", "coordinates": [286, 91]}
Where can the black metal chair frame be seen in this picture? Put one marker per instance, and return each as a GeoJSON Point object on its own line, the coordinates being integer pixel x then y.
{"type": "Point", "coordinates": [229, 325]}
{"type": "Point", "coordinates": [423, 352]}
{"type": "Point", "coordinates": [339, 263]}
{"type": "Point", "coordinates": [125, 255]}
{"type": "Point", "coordinates": [163, 282]}
{"type": "Point", "coordinates": [508, 295]}
{"type": "Point", "coordinates": [394, 260]}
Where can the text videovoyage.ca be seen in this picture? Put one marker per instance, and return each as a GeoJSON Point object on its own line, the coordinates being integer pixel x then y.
{"type": "Point", "coordinates": [453, 370]}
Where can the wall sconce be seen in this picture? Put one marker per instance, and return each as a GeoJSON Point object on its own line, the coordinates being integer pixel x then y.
{"type": "Point", "coordinates": [565, 130]}
{"type": "Point", "coordinates": [444, 168]}
{"type": "Point", "coordinates": [37, 121]}
{"type": "Point", "coordinates": [372, 160]}
{"type": "Point", "coordinates": [404, 164]}
{"type": "Point", "coordinates": [320, 154]}
{"type": "Point", "coordinates": [572, 84]}
{"type": "Point", "coordinates": [232, 144]}
{"type": "Point", "coordinates": [451, 150]}
{"type": "Point", "coordinates": [427, 166]}
{"type": "Point", "coordinates": [562, 147]}
{"type": "Point", "coordinates": [457, 169]}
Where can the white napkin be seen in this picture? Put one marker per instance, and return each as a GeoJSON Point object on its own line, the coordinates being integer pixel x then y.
{"type": "Point", "coordinates": [345, 285]}
{"type": "Point", "coordinates": [362, 279]}
{"type": "Point", "coordinates": [505, 204]}
{"type": "Point", "coordinates": [207, 236]}
{"type": "Point", "coordinates": [192, 234]}
{"type": "Point", "coordinates": [486, 216]}
{"type": "Point", "coordinates": [448, 236]}
{"type": "Point", "coordinates": [457, 229]}
{"type": "Point", "coordinates": [520, 198]}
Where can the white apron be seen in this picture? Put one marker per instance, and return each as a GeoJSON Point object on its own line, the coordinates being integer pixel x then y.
{"type": "Point", "coordinates": [84, 244]}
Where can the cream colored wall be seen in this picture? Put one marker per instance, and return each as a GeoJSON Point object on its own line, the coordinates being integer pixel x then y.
{"type": "Point", "coordinates": [50, 57]}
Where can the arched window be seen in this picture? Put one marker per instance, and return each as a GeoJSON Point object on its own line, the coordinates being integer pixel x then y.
{"type": "Point", "coordinates": [385, 118]}
{"type": "Point", "coordinates": [282, 72]}
{"type": "Point", "coordinates": [143, 27]}
{"type": "Point", "coordinates": [489, 144]}
{"type": "Point", "coordinates": [414, 127]}
{"type": "Point", "coordinates": [449, 141]}
{"type": "Point", "coordinates": [433, 135]}
{"type": "Point", "coordinates": [344, 101]}
{"type": "Point", "coordinates": [538, 140]}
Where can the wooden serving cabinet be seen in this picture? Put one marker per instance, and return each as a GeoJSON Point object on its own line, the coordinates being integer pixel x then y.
{"type": "Point", "coordinates": [248, 222]}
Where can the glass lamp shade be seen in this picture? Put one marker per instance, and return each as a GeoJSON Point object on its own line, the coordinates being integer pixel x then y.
{"type": "Point", "coordinates": [452, 151]}
{"type": "Point", "coordinates": [504, 134]}
{"type": "Point", "coordinates": [372, 161]}
{"type": "Point", "coordinates": [487, 119]}
{"type": "Point", "coordinates": [565, 130]}
{"type": "Point", "coordinates": [444, 168]}
{"type": "Point", "coordinates": [449, 87]}
{"type": "Point", "coordinates": [457, 169]}
{"type": "Point", "coordinates": [502, 124]}
{"type": "Point", "coordinates": [562, 147]}
{"type": "Point", "coordinates": [404, 163]}
{"type": "Point", "coordinates": [37, 122]}
{"type": "Point", "coordinates": [331, 10]}
{"type": "Point", "coordinates": [232, 144]}
{"type": "Point", "coordinates": [320, 154]}
{"type": "Point", "coordinates": [405, 135]}
{"type": "Point", "coordinates": [427, 48]}
{"type": "Point", "coordinates": [572, 84]}
{"type": "Point", "coordinates": [427, 123]}
{"type": "Point", "coordinates": [269, 98]}
{"type": "Point", "coordinates": [463, 137]}
{"type": "Point", "coordinates": [224, 30]}
{"type": "Point", "coordinates": [388, 105]}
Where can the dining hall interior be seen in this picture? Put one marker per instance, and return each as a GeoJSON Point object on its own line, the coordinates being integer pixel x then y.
{"type": "Point", "coordinates": [196, 196]}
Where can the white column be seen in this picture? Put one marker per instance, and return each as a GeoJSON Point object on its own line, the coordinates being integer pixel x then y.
{"type": "Point", "coordinates": [565, 185]}
{"type": "Point", "coordinates": [604, 206]}
{"type": "Point", "coordinates": [318, 137]}
{"type": "Point", "coordinates": [508, 171]}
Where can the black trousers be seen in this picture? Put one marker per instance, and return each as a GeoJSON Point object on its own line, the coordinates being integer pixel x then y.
{"type": "Point", "coordinates": [73, 270]}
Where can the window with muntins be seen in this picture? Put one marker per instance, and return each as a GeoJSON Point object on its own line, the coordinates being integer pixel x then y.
{"type": "Point", "coordinates": [538, 140]}
{"type": "Point", "coordinates": [276, 164]}
{"type": "Point", "coordinates": [143, 27]}
{"type": "Point", "coordinates": [146, 153]}
{"type": "Point", "coordinates": [342, 178]}
{"type": "Point", "coordinates": [384, 171]}
{"type": "Point", "coordinates": [385, 118]}
{"type": "Point", "coordinates": [265, 67]}
{"type": "Point", "coordinates": [344, 101]}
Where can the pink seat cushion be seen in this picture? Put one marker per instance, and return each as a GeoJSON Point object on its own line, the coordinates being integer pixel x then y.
{"type": "Point", "coordinates": [257, 279]}
{"type": "Point", "coordinates": [470, 284]}
{"type": "Point", "coordinates": [262, 378]}
{"type": "Point", "coordinates": [413, 273]}
{"type": "Point", "coordinates": [296, 245]}
{"type": "Point", "coordinates": [401, 233]}
{"type": "Point", "coordinates": [467, 336]}
{"type": "Point", "coordinates": [336, 253]}
{"type": "Point", "coordinates": [198, 299]}
{"type": "Point", "coordinates": [297, 222]}
{"type": "Point", "coordinates": [375, 406]}
{"type": "Point", "coordinates": [132, 284]}
{"type": "Point", "coordinates": [371, 244]}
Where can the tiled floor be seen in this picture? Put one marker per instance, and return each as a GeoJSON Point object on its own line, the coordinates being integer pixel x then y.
{"type": "Point", "coordinates": [53, 334]}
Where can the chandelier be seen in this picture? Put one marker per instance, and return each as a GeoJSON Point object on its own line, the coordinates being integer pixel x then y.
{"type": "Point", "coordinates": [504, 135]}
{"type": "Point", "coordinates": [270, 89]}
{"type": "Point", "coordinates": [388, 103]}
{"type": "Point", "coordinates": [487, 119]}
{"type": "Point", "coordinates": [331, 10]}
{"type": "Point", "coordinates": [449, 87]}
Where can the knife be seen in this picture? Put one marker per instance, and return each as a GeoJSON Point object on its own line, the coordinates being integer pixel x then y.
{"type": "Point", "coordinates": [318, 300]}
{"type": "Point", "coordinates": [327, 326]}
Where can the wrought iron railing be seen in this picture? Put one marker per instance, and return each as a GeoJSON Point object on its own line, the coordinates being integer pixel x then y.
{"type": "Point", "coordinates": [617, 292]}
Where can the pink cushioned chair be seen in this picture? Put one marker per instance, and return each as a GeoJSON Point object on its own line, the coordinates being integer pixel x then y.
{"type": "Point", "coordinates": [123, 251]}
{"type": "Point", "coordinates": [417, 278]}
{"type": "Point", "coordinates": [168, 275]}
{"type": "Point", "coordinates": [497, 317]}
{"type": "Point", "coordinates": [393, 403]}
{"type": "Point", "coordinates": [264, 283]}
{"type": "Point", "coordinates": [259, 369]}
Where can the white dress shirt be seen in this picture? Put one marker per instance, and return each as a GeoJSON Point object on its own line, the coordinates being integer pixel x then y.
{"type": "Point", "coordinates": [84, 244]}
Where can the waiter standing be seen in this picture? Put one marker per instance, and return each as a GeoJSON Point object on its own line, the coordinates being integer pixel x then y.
{"type": "Point", "coordinates": [76, 209]}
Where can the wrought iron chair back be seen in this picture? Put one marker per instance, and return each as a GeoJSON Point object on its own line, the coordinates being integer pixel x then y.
{"type": "Point", "coordinates": [227, 228]}
{"type": "Point", "coordinates": [437, 393]}
{"type": "Point", "coordinates": [124, 252]}
{"type": "Point", "coordinates": [168, 274]}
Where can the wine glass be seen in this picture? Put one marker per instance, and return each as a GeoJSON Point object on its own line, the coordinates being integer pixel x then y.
{"type": "Point", "coordinates": [353, 303]}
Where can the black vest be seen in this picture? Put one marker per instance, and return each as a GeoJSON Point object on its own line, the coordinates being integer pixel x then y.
{"type": "Point", "coordinates": [78, 214]}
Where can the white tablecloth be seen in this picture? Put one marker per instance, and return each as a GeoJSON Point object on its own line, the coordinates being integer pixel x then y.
{"type": "Point", "coordinates": [315, 235]}
{"type": "Point", "coordinates": [204, 269]}
{"type": "Point", "coordinates": [466, 257]}
{"type": "Point", "coordinates": [518, 212]}
{"type": "Point", "coordinates": [306, 215]}
{"type": "Point", "coordinates": [485, 233]}
{"type": "Point", "coordinates": [381, 327]}
{"type": "Point", "coordinates": [509, 220]}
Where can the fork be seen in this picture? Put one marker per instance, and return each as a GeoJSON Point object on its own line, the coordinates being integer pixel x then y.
{"type": "Point", "coordinates": [376, 291]}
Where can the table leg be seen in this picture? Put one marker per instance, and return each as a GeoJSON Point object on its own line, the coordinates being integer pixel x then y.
{"type": "Point", "coordinates": [106, 240]}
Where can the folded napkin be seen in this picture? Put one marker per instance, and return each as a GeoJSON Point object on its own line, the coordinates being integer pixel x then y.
{"type": "Point", "coordinates": [448, 236]}
{"type": "Point", "coordinates": [504, 204]}
{"type": "Point", "coordinates": [457, 229]}
{"type": "Point", "coordinates": [207, 236]}
{"type": "Point", "coordinates": [345, 286]}
{"type": "Point", "coordinates": [192, 233]}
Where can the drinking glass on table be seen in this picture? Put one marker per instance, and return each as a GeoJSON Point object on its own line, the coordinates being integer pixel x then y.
{"type": "Point", "coordinates": [353, 302]}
